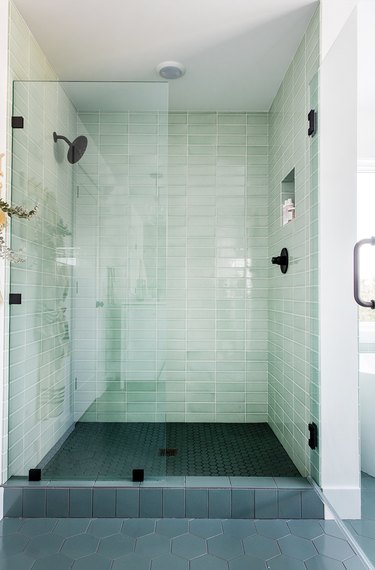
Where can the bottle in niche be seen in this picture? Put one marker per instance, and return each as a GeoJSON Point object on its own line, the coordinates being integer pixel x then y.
{"type": "Point", "coordinates": [291, 210]}
{"type": "Point", "coordinates": [285, 212]}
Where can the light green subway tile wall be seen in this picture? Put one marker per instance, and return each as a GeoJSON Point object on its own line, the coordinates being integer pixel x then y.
{"type": "Point", "coordinates": [120, 273]}
{"type": "Point", "coordinates": [39, 390]}
{"type": "Point", "coordinates": [293, 359]}
{"type": "Point", "coordinates": [217, 267]}
{"type": "Point", "coordinates": [191, 344]}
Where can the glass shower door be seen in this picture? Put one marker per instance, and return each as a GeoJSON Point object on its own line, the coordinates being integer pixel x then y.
{"type": "Point", "coordinates": [365, 296]}
{"type": "Point", "coordinates": [100, 264]}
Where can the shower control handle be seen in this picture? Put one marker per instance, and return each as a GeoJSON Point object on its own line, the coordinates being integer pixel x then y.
{"type": "Point", "coordinates": [356, 273]}
{"type": "Point", "coordinates": [282, 260]}
{"type": "Point", "coordinates": [279, 260]}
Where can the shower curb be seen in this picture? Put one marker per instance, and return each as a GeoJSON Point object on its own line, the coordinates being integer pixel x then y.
{"type": "Point", "coordinates": [193, 499]}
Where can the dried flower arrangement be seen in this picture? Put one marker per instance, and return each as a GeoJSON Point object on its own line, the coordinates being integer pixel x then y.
{"type": "Point", "coordinates": [5, 208]}
{"type": "Point", "coordinates": [8, 210]}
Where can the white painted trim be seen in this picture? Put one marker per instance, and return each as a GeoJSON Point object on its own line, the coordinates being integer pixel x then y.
{"type": "Point", "coordinates": [347, 502]}
{"type": "Point", "coordinates": [339, 429]}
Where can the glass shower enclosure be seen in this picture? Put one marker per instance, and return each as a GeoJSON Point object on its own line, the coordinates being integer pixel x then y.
{"type": "Point", "coordinates": [87, 328]}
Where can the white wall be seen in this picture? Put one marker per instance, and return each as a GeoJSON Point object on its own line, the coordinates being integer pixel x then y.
{"type": "Point", "coordinates": [334, 14]}
{"type": "Point", "coordinates": [366, 83]}
{"type": "Point", "coordinates": [338, 313]}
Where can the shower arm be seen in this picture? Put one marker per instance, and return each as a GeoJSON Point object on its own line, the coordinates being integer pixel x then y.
{"type": "Point", "coordinates": [57, 137]}
{"type": "Point", "coordinates": [356, 273]}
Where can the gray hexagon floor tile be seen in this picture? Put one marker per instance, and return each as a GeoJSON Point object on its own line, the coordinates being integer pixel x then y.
{"type": "Point", "coordinates": [305, 528]}
{"type": "Point", "coordinates": [272, 528]}
{"type": "Point", "coordinates": [332, 528]}
{"type": "Point", "coordinates": [153, 545]}
{"type": "Point", "coordinates": [71, 527]}
{"type": "Point", "coordinates": [116, 546]}
{"type": "Point", "coordinates": [225, 546]}
{"type": "Point", "coordinates": [172, 527]}
{"type": "Point", "coordinates": [246, 563]}
{"type": "Point", "coordinates": [206, 528]}
{"type": "Point", "coordinates": [105, 527]}
{"type": "Point", "coordinates": [54, 562]}
{"type": "Point", "coordinates": [138, 527]}
{"type": "Point", "coordinates": [285, 563]}
{"type": "Point", "coordinates": [208, 562]}
{"type": "Point", "coordinates": [44, 545]}
{"type": "Point", "coordinates": [320, 562]}
{"type": "Point", "coordinates": [297, 547]}
{"type": "Point", "coordinates": [13, 544]}
{"type": "Point", "coordinates": [169, 562]}
{"type": "Point", "coordinates": [355, 563]}
{"type": "Point", "coordinates": [92, 562]}
{"type": "Point", "coordinates": [261, 547]}
{"type": "Point", "coordinates": [239, 528]}
{"type": "Point", "coordinates": [8, 526]}
{"type": "Point", "coordinates": [80, 545]}
{"type": "Point", "coordinates": [368, 546]}
{"type": "Point", "coordinates": [364, 528]}
{"type": "Point", "coordinates": [16, 562]}
{"type": "Point", "coordinates": [132, 561]}
{"type": "Point", "coordinates": [189, 546]}
{"type": "Point", "coordinates": [333, 547]}
{"type": "Point", "coordinates": [33, 527]}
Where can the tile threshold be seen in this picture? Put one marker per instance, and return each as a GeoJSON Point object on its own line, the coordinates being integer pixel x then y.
{"type": "Point", "coordinates": [173, 481]}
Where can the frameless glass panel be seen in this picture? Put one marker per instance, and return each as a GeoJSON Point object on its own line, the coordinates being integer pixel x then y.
{"type": "Point", "coordinates": [314, 278]}
{"type": "Point", "coordinates": [87, 340]}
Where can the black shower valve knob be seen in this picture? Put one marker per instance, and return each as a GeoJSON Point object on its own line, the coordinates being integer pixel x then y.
{"type": "Point", "coordinates": [279, 260]}
{"type": "Point", "coordinates": [282, 260]}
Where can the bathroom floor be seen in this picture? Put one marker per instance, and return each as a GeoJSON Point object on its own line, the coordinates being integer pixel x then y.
{"type": "Point", "coordinates": [364, 530]}
{"type": "Point", "coordinates": [113, 450]}
{"type": "Point", "coordinates": [174, 544]}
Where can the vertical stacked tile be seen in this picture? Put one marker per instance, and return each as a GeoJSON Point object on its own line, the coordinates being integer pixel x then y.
{"type": "Point", "coordinates": [121, 234]}
{"type": "Point", "coordinates": [290, 324]}
{"type": "Point", "coordinates": [216, 365]}
{"type": "Point", "coordinates": [40, 385]}
{"type": "Point", "coordinates": [183, 335]}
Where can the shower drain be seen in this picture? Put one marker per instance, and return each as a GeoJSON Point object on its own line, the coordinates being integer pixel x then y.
{"type": "Point", "coordinates": [168, 452]}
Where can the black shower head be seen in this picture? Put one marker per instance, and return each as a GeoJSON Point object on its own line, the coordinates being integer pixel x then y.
{"type": "Point", "coordinates": [76, 148]}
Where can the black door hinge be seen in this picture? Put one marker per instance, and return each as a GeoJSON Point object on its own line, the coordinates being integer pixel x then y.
{"type": "Point", "coordinates": [312, 118]}
{"type": "Point", "coordinates": [313, 439]}
{"type": "Point", "coordinates": [18, 122]}
{"type": "Point", "coordinates": [15, 299]}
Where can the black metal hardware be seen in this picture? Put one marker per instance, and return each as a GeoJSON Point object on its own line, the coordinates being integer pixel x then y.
{"type": "Point", "coordinates": [356, 273]}
{"type": "Point", "coordinates": [312, 118]}
{"type": "Point", "coordinates": [35, 474]}
{"type": "Point", "coordinates": [282, 260]}
{"type": "Point", "coordinates": [313, 439]}
{"type": "Point", "coordinates": [17, 122]}
{"type": "Point", "coordinates": [138, 475]}
{"type": "Point", "coordinates": [15, 299]}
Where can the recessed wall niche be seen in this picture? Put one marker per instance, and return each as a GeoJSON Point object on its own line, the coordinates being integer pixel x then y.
{"type": "Point", "coordinates": [288, 198]}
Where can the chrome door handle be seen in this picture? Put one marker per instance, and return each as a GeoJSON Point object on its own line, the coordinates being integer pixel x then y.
{"type": "Point", "coordinates": [370, 304]}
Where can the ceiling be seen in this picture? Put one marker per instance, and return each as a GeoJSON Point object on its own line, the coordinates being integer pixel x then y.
{"type": "Point", "coordinates": [236, 52]}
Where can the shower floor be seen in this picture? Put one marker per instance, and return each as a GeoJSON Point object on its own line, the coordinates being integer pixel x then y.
{"type": "Point", "coordinates": [112, 450]}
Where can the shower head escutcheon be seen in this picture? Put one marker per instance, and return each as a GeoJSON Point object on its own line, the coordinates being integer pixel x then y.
{"type": "Point", "coordinates": [76, 148]}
